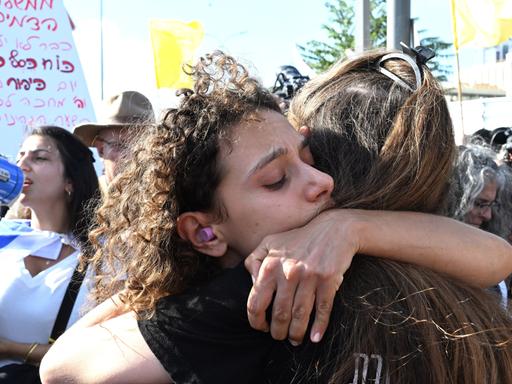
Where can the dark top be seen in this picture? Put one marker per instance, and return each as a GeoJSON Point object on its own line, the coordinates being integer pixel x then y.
{"type": "Point", "coordinates": [204, 336]}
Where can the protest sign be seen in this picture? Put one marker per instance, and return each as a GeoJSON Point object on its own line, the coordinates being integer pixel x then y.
{"type": "Point", "coordinates": [41, 80]}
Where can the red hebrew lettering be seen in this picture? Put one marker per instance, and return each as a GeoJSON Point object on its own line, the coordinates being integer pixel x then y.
{"type": "Point", "coordinates": [65, 46]}
{"type": "Point", "coordinates": [2, 61]}
{"type": "Point", "coordinates": [62, 86]}
{"type": "Point", "coordinates": [51, 24]}
{"type": "Point", "coordinates": [68, 67]}
{"type": "Point", "coordinates": [8, 4]}
{"type": "Point", "coordinates": [48, 3]}
{"type": "Point", "coordinates": [8, 102]}
{"type": "Point", "coordinates": [40, 84]}
{"type": "Point", "coordinates": [38, 103]}
{"type": "Point", "coordinates": [36, 23]}
{"type": "Point", "coordinates": [10, 119]}
{"type": "Point", "coordinates": [47, 61]}
{"type": "Point", "coordinates": [26, 84]}
{"type": "Point", "coordinates": [28, 4]}
{"type": "Point", "coordinates": [31, 63]}
{"type": "Point", "coordinates": [14, 20]}
{"type": "Point", "coordinates": [16, 82]}
{"type": "Point", "coordinates": [80, 103]}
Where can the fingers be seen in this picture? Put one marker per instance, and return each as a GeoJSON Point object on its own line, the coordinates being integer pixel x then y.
{"type": "Point", "coordinates": [283, 302]}
{"type": "Point", "coordinates": [262, 291]}
{"type": "Point", "coordinates": [301, 311]}
{"type": "Point", "coordinates": [254, 260]}
{"type": "Point", "coordinates": [259, 299]}
{"type": "Point", "coordinates": [324, 300]}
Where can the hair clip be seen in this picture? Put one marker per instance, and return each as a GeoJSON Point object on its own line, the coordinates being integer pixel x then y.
{"type": "Point", "coordinates": [416, 57]}
{"type": "Point", "coordinates": [421, 54]}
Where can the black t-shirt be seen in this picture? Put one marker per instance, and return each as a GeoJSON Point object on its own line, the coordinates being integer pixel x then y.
{"type": "Point", "coordinates": [204, 336]}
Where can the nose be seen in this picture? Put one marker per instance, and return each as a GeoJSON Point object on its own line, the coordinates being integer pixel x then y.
{"type": "Point", "coordinates": [319, 186]}
{"type": "Point", "coordinates": [486, 214]}
{"type": "Point", "coordinates": [23, 163]}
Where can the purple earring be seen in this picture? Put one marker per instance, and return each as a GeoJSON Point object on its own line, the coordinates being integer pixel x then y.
{"type": "Point", "coordinates": [205, 234]}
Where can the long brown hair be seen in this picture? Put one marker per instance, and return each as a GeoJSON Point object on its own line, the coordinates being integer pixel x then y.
{"type": "Point", "coordinates": [385, 146]}
{"type": "Point", "coordinates": [389, 147]}
{"type": "Point", "coordinates": [173, 168]}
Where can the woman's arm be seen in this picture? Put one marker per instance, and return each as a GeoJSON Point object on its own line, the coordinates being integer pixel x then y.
{"type": "Point", "coordinates": [304, 267]}
{"type": "Point", "coordinates": [105, 346]}
{"type": "Point", "coordinates": [28, 353]}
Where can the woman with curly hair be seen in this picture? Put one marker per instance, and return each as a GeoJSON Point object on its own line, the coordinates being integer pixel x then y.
{"type": "Point", "coordinates": [224, 170]}
{"type": "Point", "coordinates": [482, 196]}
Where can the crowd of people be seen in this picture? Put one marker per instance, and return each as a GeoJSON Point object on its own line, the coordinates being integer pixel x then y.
{"type": "Point", "coordinates": [234, 244]}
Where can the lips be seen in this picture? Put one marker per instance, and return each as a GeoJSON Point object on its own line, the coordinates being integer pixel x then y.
{"type": "Point", "coordinates": [27, 183]}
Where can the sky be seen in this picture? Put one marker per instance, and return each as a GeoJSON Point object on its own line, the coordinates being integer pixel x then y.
{"type": "Point", "coordinates": [263, 34]}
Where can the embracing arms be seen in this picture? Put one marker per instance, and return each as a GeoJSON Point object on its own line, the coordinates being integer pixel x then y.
{"type": "Point", "coordinates": [304, 267]}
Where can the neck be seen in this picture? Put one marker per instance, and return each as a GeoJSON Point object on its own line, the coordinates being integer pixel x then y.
{"type": "Point", "coordinates": [51, 217]}
{"type": "Point", "coordinates": [230, 260]}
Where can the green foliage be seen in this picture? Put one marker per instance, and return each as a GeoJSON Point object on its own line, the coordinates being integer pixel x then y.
{"type": "Point", "coordinates": [438, 65]}
{"type": "Point", "coordinates": [320, 55]}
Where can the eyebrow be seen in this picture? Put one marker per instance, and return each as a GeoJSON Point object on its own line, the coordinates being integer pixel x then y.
{"type": "Point", "coordinates": [274, 154]}
{"type": "Point", "coordinates": [35, 151]}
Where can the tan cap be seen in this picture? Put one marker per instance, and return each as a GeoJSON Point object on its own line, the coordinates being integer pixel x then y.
{"type": "Point", "coordinates": [120, 110]}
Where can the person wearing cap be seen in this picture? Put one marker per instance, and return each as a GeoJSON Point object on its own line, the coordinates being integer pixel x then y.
{"type": "Point", "coordinates": [110, 133]}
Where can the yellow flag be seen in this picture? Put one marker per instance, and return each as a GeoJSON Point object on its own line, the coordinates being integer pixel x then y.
{"type": "Point", "coordinates": [481, 23]}
{"type": "Point", "coordinates": [174, 43]}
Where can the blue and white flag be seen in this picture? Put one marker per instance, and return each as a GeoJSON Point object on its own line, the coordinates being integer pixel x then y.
{"type": "Point", "coordinates": [18, 240]}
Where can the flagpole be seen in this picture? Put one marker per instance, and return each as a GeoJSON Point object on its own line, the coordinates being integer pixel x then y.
{"type": "Point", "coordinates": [101, 48]}
{"type": "Point", "coordinates": [456, 45]}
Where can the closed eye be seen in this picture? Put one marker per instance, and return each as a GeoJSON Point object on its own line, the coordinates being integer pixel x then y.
{"type": "Point", "coordinates": [277, 185]}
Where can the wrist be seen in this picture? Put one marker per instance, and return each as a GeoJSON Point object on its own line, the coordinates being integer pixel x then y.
{"type": "Point", "coordinates": [353, 226]}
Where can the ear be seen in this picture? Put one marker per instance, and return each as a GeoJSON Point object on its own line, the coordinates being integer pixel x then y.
{"type": "Point", "coordinates": [100, 146]}
{"type": "Point", "coordinates": [69, 187]}
{"type": "Point", "coordinates": [190, 224]}
{"type": "Point", "coordinates": [305, 131]}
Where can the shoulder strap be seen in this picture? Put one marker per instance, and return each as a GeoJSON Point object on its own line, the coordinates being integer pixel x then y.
{"type": "Point", "coordinates": [67, 303]}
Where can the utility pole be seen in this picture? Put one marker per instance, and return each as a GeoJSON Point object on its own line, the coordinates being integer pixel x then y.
{"type": "Point", "coordinates": [399, 23]}
{"type": "Point", "coordinates": [362, 30]}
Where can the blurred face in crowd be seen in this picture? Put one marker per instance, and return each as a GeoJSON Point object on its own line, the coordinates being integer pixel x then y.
{"type": "Point", "coordinates": [43, 169]}
{"type": "Point", "coordinates": [110, 143]}
{"type": "Point", "coordinates": [482, 207]}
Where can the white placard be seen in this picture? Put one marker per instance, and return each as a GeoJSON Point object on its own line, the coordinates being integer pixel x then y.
{"type": "Point", "coordinates": [41, 80]}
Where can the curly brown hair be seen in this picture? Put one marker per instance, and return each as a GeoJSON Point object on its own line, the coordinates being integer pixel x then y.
{"type": "Point", "coordinates": [174, 167]}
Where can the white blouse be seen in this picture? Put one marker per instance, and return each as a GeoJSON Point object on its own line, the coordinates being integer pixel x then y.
{"type": "Point", "coordinates": [29, 304]}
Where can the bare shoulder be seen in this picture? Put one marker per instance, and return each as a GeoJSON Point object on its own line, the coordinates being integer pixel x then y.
{"type": "Point", "coordinates": [112, 351]}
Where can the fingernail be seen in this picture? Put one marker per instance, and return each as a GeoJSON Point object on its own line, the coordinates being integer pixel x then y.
{"type": "Point", "coordinates": [253, 279]}
{"type": "Point", "coordinates": [316, 337]}
{"type": "Point", "coordinates": [294, 343]}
